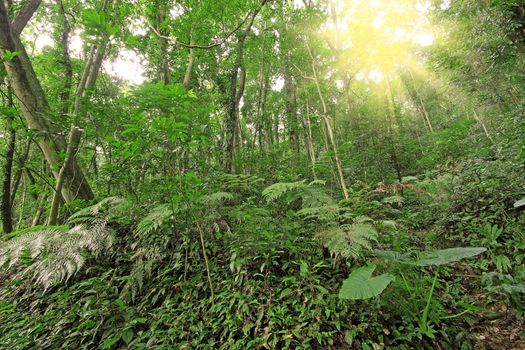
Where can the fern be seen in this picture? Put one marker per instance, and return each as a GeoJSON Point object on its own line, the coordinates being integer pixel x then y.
{"type": "Point", "coordinates": [240, 183]}
{"type": "Point", "coordinates": [310, 194]}
{"type": "Point", "coordinates": [215, 199]}
{"type": "Point", "coordinates": [157, 217]}
{"type": "Point", "coordinates": [56, 255]}
{"type": "Point", "coordinates": [348, 240]}
{"type": "Point", "coordinates": [110, 208]}
{"type": "Point", "coordinates": [277, 190]}
{"type": "Point", "coordinates": [326, 213]}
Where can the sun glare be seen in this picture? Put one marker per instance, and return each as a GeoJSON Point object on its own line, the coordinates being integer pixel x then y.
{"type": "Point", "coordinates": [379, 38]}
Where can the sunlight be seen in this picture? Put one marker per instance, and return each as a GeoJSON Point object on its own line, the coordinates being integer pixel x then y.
{"type": "Point", "coordinates": [127, 65]}
{"type": "Point", "coordinates": [379, 38]}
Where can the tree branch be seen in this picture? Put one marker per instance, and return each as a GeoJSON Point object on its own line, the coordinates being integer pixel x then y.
{"type": "Point", "coordinates": [217, 43]}
{"type": "Point", "coordinates": [24, 16]}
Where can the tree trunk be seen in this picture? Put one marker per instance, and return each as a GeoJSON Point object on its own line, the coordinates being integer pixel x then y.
{"type": "Point", "coordinates": [20, 170]}
{"type": "Point", "coordinates": [7, 215]}
{"type": "Point", "coordinates": [328, 127]}
{"type": "Point", "coordinates": [189, 68]}
{"type": "Point", "coordinates": [291, 109]}
{"type": "Point", "coordinates": [65, 60]}
{"type": "Point", "coordinates": [232, 131]}
{"type": "Point", "coordinates": [309, 140]}
{"type": "Point", "coordinates": [72, 147]}
{"type": "Point", "coordinates": [35, 110]}
{"type": "Point", "coordinates": [422, 107]}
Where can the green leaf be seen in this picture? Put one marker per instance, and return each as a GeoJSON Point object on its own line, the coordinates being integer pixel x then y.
{"type": "Point", "coordinates": [8, 55]}
{"type": "Point", "coordinates": [285, 293]}
{"type": "Point", "coordinates": [127, 335]}
{"type": "Point", "coordinates": [361, 285]}
{"type": "Point", "coordinates": [446, 256]}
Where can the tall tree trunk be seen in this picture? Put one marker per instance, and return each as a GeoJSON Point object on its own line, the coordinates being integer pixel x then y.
{"type": "Point", "coordinates": [260, 90]}
{"type": "Point", "coordinates": [291, 110]}
{"type": "Point", "coordinates": [392, 129]}
{"type": "Point", "coordinates": [189, 68]}
{"type": "Point", "coordinates": [309, 140]}
{"type": "Point", "coordinates": [65, 60]}
{"type": "Point", "coordinates": [421, 104]}
{"type": "Point", "coordinates": [328, 127]}
{"type": "Point", "coordinates": [164, 74]}
{"type": "Point", "coordinates": [231, 122]}
{"type": "Point", "coordinates": [20, 170]}
{"type": "Point", "coordinates": [232, 131]}
{"type": "Point", "coordinates": [72, 147]}
{"type": "Point", "coordinates": [7, 215]}
{"type": "Point", "coordinates": [35, 110]}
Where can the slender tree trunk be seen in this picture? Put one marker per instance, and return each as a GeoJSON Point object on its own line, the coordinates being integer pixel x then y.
{"type": "Point", "coordinates": [328, 127]}
{"type": "Point", "coordinates": [261, 89]}
{"type": "Point", "coordinates": [7, 215]}
{"type": "Point", "coordinates": [291, 110]}
{"type": "Point", "coordinates": [72, 147]}
{"type": "Point", "coordinates": [232, 115]}
{"type": "Point", "coordinates": [20, 170]}
{"type": "Point", "coordinates": [392, 129]}
{"type": "Point", "coordinates": [66, 61]}
{"type": "Point", "coordinates": [39, 199]}
{"type": "Point", "coordinates": [35, 109]}
{"type": "Point", "coordinates": [309, 140]}
{"type": "Point", "coordinates": [232, 130]}
{"type": "Point", "coordinates": [423, 109]}
{"type": "Point", "coordinates": [189, 68]}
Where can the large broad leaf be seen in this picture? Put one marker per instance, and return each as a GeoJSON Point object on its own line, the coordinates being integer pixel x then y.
{"type": "Point", "coordinates": [361, 285]}
{"type": "Point", "coordinates": [446, 256]}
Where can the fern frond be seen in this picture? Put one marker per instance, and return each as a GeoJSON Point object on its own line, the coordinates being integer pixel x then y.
{"type": "Point", "coordinates": [277, 190]}
{"type": "Point", "coordinates": [348, 240]}
{"type": "Point", "coordinates": [110, 208]}
{"type": "Point", "coordinates": [157, 217]}
{"type": "Point", "coordinates": [315, 197]}
{"type": "Point", "coordinates": [326, 213]}
{"type": "Point", "coordinates": [239, 182]}
{"type": "Point", "coordinates": [57, 255]}
{"type": "Point", "coordinates": [216, 198]}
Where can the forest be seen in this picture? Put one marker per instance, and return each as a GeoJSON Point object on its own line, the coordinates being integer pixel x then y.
{"type": "Point", "coordinates": [262, 174]}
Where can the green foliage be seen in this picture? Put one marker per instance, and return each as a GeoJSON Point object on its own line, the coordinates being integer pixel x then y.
{"type": "Point", "coordinates": [188, 252]}
{"type": "Point", "coordinates": [361, 285]}
{"type": "Point", "coordinates": [447, 256]}
{"type": "Point", "coordinates": [53, 256]}
{"type": "Point", "coordinates": [156, 218]}
{"type": "Point", "coordinates": [349, 240]}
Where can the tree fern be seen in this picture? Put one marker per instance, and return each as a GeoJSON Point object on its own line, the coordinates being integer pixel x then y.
{"type": "Point", "coordinates": [56, 255]}
{"type": "Point", "coordinates": [348, 240]}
